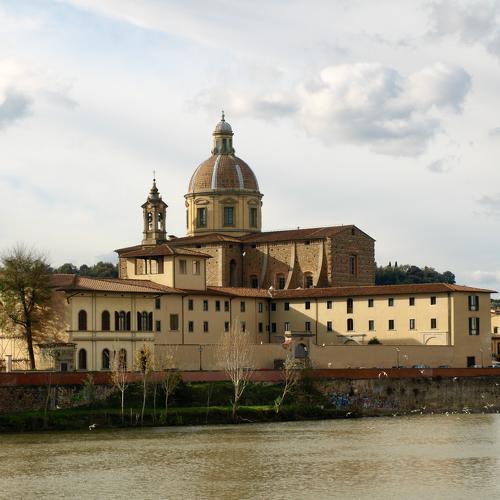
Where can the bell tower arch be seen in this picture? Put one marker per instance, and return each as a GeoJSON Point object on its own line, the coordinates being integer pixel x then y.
{"type": "Point", "coordinates": [154, 218]}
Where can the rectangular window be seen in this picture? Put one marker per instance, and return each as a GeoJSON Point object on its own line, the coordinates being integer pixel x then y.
{"type": "Point", "coordinates": [412, 324]}
{"type": "Point", "coordinates": [473, 302]}
{"type": "Point", "coordinates": [242, 306]}
{"type": "Point", "coordinates": [329, 304]}
{"type": "Point", "coordinates": [174, 322]}
{"type": "Point", "coordinates": [261, 328]}
{"type": "Point", "coordinates": [391, 324]}
{"type": "Point", "coordinates": [190, 304]}
{"type": "Point", "coordinates": [433, 323]}
{"type": "Point", "coordinates": [390, 302]}
{"type": "Point", "coordinates": [205, 326]}
{"type": "Point", "coordinates": [243, 326]}
{"type": "Point", "coordinates": [495, 330]}
{"type": "Point", "coordinates": [205, 305]}
{"type": "Point", "coordinates": [226, 326]}
{"type": "Point", "coordinates": [307, 326]}
{"type": "Point", "coordinates": [281, 282]}
{"type": "Point", "coordinates": [411, 301]}
{"type": "Point", "coordinates": [329, 326]}
{"type": "Point", "coordinates": [157, 303]}
{"type": "Point", "coordinates": [370, 302]}
{"type": "Point", "coordinates": [190, 326]}
{"type": "Point", "coordinates": [261, 307]}
{"type": "Point", "coordinates": [350, 306]}
{"type": "Point", "coordinates": [217, 305]}
{"type": "Point", "coordinates": [308, 305]}
{"type": "Point", "coordinates": [273, 327]}
{"type": "Point", "coordinates": [287, 306]}
{"type": "Point", "coordinates": [158, 325]}
{"type": "Point", "coordinates": [196, 267]}
{"type": "Point", "coordinates": [182, 266]}
{"type": "Point", "coordinates": [253, 217]}
{"type": "Point", "coordinates": [353, 265]}
{"type": "Point", "coordinates": [201, 217]}
{"type": "Point", "coordinates": [371, 325]}
{"type": "Point", "coordinates": [433, 300]}
{"type": "Point", "coordinates": [228, 216]}
{"type": "Point", "coordinates": [226, 306]}
{"type": "Point", "coordinates": [287, 326]}
{"type": "Point", "coordinates": [473, 326]}
{"type": "Point", "coordinates": [273, 306]}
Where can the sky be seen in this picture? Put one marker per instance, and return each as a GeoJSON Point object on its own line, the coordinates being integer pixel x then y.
{"type": "Point", "coordinates": [381, 114]}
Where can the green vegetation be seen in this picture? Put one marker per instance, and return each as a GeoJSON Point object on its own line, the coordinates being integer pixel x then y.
{"type": "Point", "coordinates": [409, 274]}
{"type": "Point", "coordinates": [99, 270]}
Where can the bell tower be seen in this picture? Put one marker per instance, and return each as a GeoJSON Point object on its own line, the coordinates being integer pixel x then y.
{"type": "Point", "coordinates": [154, 214]}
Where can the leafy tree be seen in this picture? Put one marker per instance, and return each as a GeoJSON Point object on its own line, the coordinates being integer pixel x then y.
{"type": "Point", "coordinates": [410, 274]}
{"type": "Point", "coordinates": [99, 270]}
{"type": "Point", "coordinates": [26, 299]}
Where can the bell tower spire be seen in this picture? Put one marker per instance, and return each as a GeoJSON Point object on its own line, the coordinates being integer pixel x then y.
{"type": "Point", "coordinates": [154, 216]}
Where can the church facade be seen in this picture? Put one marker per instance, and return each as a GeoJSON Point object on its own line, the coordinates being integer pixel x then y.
{"type": "Point", "coordinates": [308, 293]}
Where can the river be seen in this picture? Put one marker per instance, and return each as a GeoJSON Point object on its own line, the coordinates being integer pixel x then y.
{"type": "Point", "coordinates": [428, 456]}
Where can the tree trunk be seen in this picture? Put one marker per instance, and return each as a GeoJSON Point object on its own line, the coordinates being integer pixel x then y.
{"type": "Point", "coordinates": [29, 341]}
{"type": "Point", "coordinates": [143, 400]}
{"type": "Point", "coordinates": [123, 402]}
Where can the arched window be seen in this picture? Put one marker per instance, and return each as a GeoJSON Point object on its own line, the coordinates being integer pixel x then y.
{"type": "Point", "coordinates": [150, 221]}
{"type": "Point", "coordinates": [145, 321]}
{"type": "Point", "coordinates": [105, 321]}
{"type": "Point", "coordinates": [105, 359]}
{"type": "Point", "coordinates": [122, 359]}
{"type": "Point", "coordinates": [122, 321]}
{"type": "Point", "coordinates": [82, 359]}
{"type": "Point", "coordinates": [254, 281]}
{"type": "Point", "coordinates": [82, 320]}
{"type": "Point", "coordinates": [232, 273]}
{"type": "Point", "coordinates": [308, 280]}
{"type": "Point", "coordinates": [350, 325]}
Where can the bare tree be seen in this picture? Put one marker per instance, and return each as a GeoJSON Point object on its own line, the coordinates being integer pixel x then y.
{"type": "Point", "coordinates": [170, 376]}
{"type": "Point", "coordinates": [119, 376]}
{"type": "Point", "coordinates": [144, 364]}
{"type": "Point", "coordinates": [290, 373]}
{"type": "Point", "coordinates": [25, 296]}
{"type": "Point", "coordinates": [235, 355]}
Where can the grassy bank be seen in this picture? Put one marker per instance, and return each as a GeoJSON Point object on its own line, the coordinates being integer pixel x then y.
{"type": "Point", "coordinates": [82, 418]}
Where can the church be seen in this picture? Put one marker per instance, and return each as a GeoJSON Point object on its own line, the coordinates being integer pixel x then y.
{"type": "Point", "coordinates": [224, 221]}
{"type": "Point", "coordinates": [306, 293]}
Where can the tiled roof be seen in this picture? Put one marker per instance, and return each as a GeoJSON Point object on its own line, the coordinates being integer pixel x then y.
{"type": "Point", "coordinates": [84, 283]}
{"type": "Point", "coordinates": [349, 291]}
{"type": "Point", "coordinates": [223, 172]}
{"type": "Point", "coordinates": [269, 236]}
{"type": "Point", "coordinates": [242, 292]}
{"type": "Point", "coordinates": [297, 234]}
{"type": "Point", "coordinates": [204, 238]}
{"type": "Point", "coordinates": [158, 250]}
{"type": "Point", "coordinates": [353, 291]}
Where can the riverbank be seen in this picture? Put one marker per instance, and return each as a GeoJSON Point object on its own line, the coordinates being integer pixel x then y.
{"type": "Point", "coordinates": [200, 403]}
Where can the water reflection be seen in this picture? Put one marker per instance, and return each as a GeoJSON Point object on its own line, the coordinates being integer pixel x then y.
{"type": "Point", "coordinates": [409, 457]}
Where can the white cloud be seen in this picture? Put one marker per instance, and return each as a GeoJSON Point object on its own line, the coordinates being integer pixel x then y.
{"type": "Point", "coordinates": [491, 205]}
{"type": "Point", "coordinates": [13, 107]}
{"type": "Point", "coordinates": [362, 103]}
{"type": "Point", "coordinates": [473, 22]}
{"type": "Point", "coordinates": [442, 165]}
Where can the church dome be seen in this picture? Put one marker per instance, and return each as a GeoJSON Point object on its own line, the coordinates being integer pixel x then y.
{"type": "Point", "coordinates": [223, 170]}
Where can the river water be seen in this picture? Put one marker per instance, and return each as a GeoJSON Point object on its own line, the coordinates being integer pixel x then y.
{"type": "Point", "coordinates": [428, 456]}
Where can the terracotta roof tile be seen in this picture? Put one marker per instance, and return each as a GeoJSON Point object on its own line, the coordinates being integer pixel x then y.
{"type": "Point", "coordinates": [158, 250]}
{"type": "Point", "coordinates": [84, 283]}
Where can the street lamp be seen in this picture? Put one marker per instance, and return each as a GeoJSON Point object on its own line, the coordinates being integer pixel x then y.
{"type": "Point", "coordinates": [397, 357]}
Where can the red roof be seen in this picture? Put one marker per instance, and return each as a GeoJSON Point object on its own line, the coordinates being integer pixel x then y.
{"type": "Point", "coordinates": [158, 250]}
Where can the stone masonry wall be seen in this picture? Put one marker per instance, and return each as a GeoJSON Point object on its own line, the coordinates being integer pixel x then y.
{"type": "Point", "coordinates": [345, 244]}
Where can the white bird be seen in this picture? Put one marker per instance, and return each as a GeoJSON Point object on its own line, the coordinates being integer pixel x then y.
{"type": "Point", "coordinates": [455, 379]}
{"type": "Point", "coordinates": [421, 372]}
{"type": "Point", "coordinates": [92, 427]}
{"type": "Point", "coordinates": [382, 374]}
